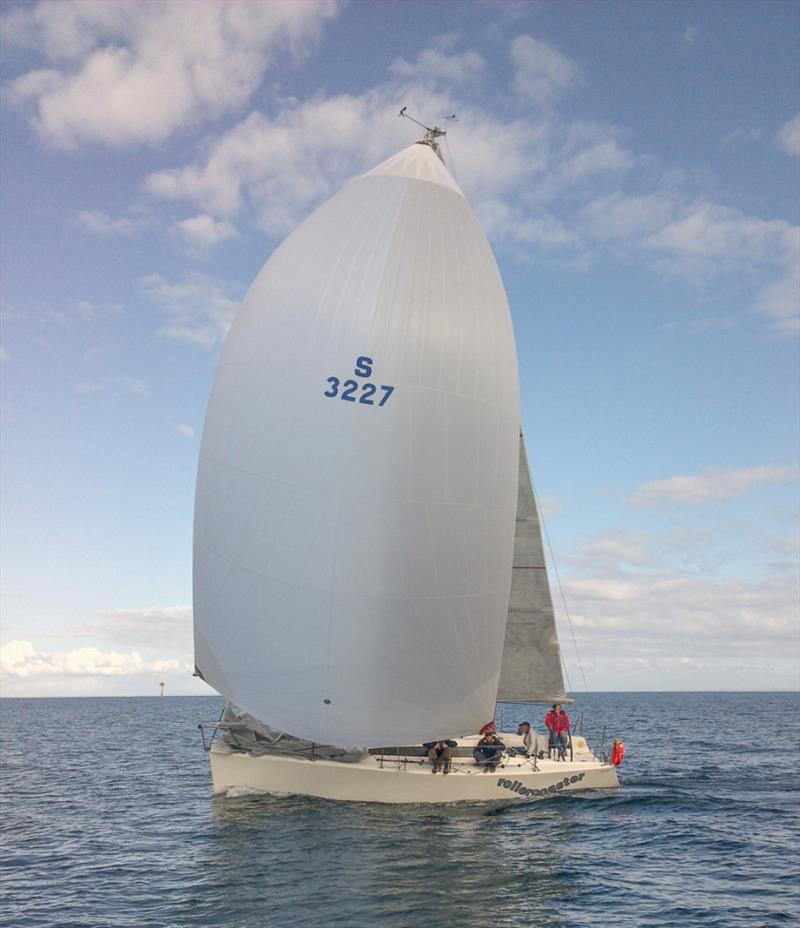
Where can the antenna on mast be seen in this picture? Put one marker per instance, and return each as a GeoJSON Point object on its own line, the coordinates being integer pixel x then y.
{"type": "Point", "coordinates": [431, 132]}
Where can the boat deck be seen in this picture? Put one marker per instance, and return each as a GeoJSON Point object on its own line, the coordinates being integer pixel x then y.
{"type": "Point", "coordinates": [405, 778]}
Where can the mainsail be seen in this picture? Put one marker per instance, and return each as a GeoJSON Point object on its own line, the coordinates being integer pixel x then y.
{"type": "Point", "coordinates": [531, 670]}
{"type": "Point", "coordinates": [357, 483]}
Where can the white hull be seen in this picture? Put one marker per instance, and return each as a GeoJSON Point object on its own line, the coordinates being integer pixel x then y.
{"type": "Point", "coordinates": [395, 780]}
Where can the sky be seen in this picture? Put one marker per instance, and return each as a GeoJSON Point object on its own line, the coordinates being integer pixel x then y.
{"type": "Point", "coordinates": [637, 169]}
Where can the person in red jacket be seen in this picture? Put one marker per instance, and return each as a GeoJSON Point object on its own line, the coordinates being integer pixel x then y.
{"type": "Point", "coordinates": [557, 722]}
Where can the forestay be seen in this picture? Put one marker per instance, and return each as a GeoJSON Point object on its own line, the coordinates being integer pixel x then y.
{"type": "Point", "coordinates": [357, 484]}
{"type": "Point", "coordinates": [531, 657]}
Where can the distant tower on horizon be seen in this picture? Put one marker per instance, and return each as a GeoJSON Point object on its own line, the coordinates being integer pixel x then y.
{"type": "Point", "coordinates": [162, 689]}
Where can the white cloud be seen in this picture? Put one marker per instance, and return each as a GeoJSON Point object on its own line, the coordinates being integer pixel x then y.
{"type": "Point", "coordinates": [651, 609]}
{"type": "Point", "coordinates": [601, 589]}
{"type": "Point", "coordinates": [282, 167]}
{"type": "Point", "coordinates": [85, 309]}
{"type": "Point", "coordinates": [785, 545]}
{"type": "Point", "coordinates": [26, 670]}
{"type": "Point", "coordinates": [701, 324]}
{"type": "Point", "coordinates": [779, 300]}
{"type": "Point", "coordinates": [199, 308]}
{"type": "Point", "coordinates": [124, 73]}
{"type": "Point", "coordinates": [603, 157]}
{"type": "Point", "coordinates": [21, 659]}
{"type": "Point", "coordinates": [617, 549]}
{"type": "Point", "coordinates": [788, 136]}
{"type": "Point", "coordinates": [128, 652]}
{"type": "Point", "coordinates": [541, 72]}
{"type": "Point", "coordinates": [134, 384]}
{"type": "Point", "coordinates": [91, 387]}
{"type": "Point", "coordinates": [704, 240]}
{"type": "Point", "coordinates": [436, 64]}
{"type": "Point", "coordinates": [186, 430]}
{"type": "Point", "coordinates": [635, 622]}
{"type": "Point", "coordinates": [154, 626]}
{"type": "Point", "coordinates": [617, 217]}
{"type": "Point", "coordinates": [520, 226]}
{"type": "Point", "coordinates": [203, 231]}
{"type": "Point", "coordinates": [720, 232]}
{"type": "Point", "coordinates": [713, 484]}
{"type": "Point", "coordinates": [102, 224]}
{"type": "Point", "coordinates": [741, 135]}
{"type": "Point", "coordinates": [548, 188]}
{"type": "Point", "coordinates": [33, 84]}
{"type": "Point", "coordinates": [3, 353]}
{"type": "Point", "coordinates": [56, 315]}
{"type": "Point", "coordinates": [691, 36]}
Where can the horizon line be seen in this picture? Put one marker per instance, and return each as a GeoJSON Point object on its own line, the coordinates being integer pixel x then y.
{"type": "Point", "coordinates": [576, 695]}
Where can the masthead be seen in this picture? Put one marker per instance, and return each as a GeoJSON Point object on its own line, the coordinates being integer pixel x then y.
{"type": "Point", "coordinates": [432, 133]}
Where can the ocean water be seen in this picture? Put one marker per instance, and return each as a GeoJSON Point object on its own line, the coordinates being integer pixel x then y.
{"type": "Point", "coordinates": [108, 820]}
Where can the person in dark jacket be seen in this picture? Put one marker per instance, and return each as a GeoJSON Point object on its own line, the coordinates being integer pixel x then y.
{"type": "Point", "coordinates": [488, 752]}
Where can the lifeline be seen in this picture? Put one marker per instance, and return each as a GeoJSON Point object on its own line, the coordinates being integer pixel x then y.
{"type": "Point", "coordinates": [517, 787]}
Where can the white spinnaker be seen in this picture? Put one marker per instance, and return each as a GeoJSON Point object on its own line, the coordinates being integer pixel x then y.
{"type": "Point", "coordinates": [352, 561]}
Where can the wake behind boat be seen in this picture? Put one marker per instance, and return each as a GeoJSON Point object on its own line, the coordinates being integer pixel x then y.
{"type": "Point", "coordinates": [368, 566]}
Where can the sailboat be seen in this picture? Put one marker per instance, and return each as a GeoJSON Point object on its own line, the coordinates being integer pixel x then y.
{"type": "Point", "coordinates": [368, 567]}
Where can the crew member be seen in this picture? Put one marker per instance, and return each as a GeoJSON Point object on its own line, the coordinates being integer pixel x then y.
{"type": "Point", "coordinates": [527, 738]}
{"type": "Point", "coordinates": [440, 756]}
{"type": "Point", "coordinates": [557, 722]}
{"type": "Point", "coordinates": [488, 752]}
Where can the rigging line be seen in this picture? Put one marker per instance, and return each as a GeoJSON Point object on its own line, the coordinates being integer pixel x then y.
{"type": "Point", "coordinates": [450, 158]}
{"type": "Point", "coordinates": [561, 591]}
{"type": "Point", "coordinates": [570, 688]}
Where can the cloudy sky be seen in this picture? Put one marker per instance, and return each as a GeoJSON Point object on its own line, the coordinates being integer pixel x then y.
{"type": "Point", "coordinates": [636, 168]}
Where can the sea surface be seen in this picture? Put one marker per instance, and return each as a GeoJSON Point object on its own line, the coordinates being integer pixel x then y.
{"type": "Point", "coordinates": [108, 820]}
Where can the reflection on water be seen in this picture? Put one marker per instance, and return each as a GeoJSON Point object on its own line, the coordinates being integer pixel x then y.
{"type": "Point", "coordinates": [109, 821]}
{"type": "Point", "coordinates": [398, 864]}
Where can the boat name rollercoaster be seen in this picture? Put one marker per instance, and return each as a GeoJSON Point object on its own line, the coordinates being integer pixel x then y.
{"type": "Point", "coordinates": [516, 786]}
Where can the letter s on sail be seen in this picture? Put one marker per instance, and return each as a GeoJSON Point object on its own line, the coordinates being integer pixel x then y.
{"type": "Point", "coordinates": [363, 367]}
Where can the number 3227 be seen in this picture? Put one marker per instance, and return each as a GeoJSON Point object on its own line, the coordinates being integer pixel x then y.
{"type": "Point", "coordinates": [350, 387]}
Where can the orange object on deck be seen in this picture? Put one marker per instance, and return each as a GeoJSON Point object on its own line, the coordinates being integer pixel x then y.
{"type": "Point", "coordinates": [617, 753]}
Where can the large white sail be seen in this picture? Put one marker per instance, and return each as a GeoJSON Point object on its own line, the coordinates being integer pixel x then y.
{"type": "Point", "coordinates": [531, 670]}
{"type": "Point", "coordinates": [357, 485]}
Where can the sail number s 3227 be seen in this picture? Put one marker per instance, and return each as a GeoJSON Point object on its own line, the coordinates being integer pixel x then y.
{"type": "Point", "coordinates": [358, 391]}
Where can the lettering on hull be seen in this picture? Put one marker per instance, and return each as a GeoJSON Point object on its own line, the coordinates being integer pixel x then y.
{"type": "Point", "coordinates": [516, 786]}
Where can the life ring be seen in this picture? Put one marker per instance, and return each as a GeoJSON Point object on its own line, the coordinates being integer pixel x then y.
{"type": "Point", "coordinates": [617, 753]}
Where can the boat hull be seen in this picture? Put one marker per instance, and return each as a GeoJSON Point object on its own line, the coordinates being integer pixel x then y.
{"type": "Point", "coordinates": [390, 780]}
